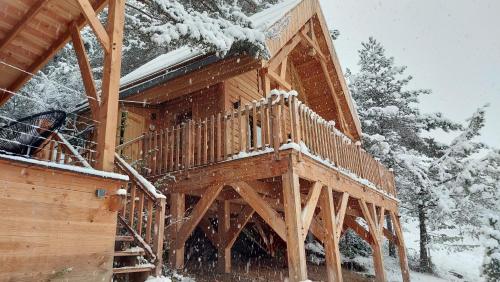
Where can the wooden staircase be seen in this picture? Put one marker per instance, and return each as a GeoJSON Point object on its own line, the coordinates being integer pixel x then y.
{"type": "Point", "coordinates": [139, 241]}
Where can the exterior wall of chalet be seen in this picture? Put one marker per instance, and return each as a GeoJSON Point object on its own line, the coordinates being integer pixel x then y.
{"type": "Point", "coordinates": [54, 227]}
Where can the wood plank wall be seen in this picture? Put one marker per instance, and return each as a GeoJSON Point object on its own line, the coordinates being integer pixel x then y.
{"type": "Point", "coordinates": [243, 88]}
{"type": "Point", "coordinates": [53, 227]}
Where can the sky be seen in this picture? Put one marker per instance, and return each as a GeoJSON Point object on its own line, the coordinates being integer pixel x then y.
{"type": "Point", "coordinates": [450, 47]}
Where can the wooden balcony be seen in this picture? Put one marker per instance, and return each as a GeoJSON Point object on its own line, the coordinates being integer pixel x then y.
{"type": "Point", "coordinates": [278, 123]}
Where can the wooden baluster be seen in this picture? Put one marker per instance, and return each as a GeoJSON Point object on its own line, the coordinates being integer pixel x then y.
{"type": "Point", "coordinates": [314, 134]}
{"type": "Point", "coordinates": [269, 122]}
{"type": "Point", "coordinates": [124, 208]}
{"type": "Point", "coordinates": [205, 141]}
{"type": "Point", "coordinates": [275, 129]}
{"type": "Point", "coordinates": [358, 160]}
{"type": "Point", "coordinates": [131, 212]}
{"type": "Point", "coordinates": [149, 224]}
{"type": "Point", "coordinates": [283, 120]}
{"type": "Point", "coordinates": [263, 124]}
{"type": "Point", "coordinates": [246, 123]}
{"type": "Point", "coordinates": [322, 139]}
{"type": "Point", "coordinates": [171, 150]}
{"type": "Point", "coordinates": [379, 176]}
{"type": "Point", "coordinates": [167, 150]}
{"type": "Point", "coordinates": [212, 139]}
{"type": "Point", "coordinates": [219, 148]}
{"type": "Point", "coordinates": [198, 143]}
{"type": "Point", "coordinates": [160, 152]}
{"type": "Point", "coordinates": [233, 132]}
{"type": "Point", "coordinates": [142, 149]}
{"type": "Point", "coordinates": [291, 118]}
{"type": "Point", "coordinates": [150, 152]}
{"type": "Point", "coordinates": [59, 152]}
{"type": "Point", "coordinates": [303, 117]}
{"type": "Point", "coordinates": [177, 148]}
{"type": "Point", "coordinates": [240, 131]}
{"type": "Point", "coordinates": [335, 148]}
{"type": "Point", "coordinates": [255, 120]}
{"type": "Point", "coordinates": [329, 146]}
{"type": "Point", "coordinates": [159, 229]}
{"type": "Point", "coordinates": [341, 152]}
{"type": "Point", "coordinates": [140, 209]}
{"type": "Point", "coordinates": [311, 132]}
{"type": "Point", "coordinates": [227, 146]}
{"type": "Point", "coordinates": [188, 145]}
{"type": "Point", "coordinates": [296, 126]}
{"type": "Point", "coordinates": [155, 152]}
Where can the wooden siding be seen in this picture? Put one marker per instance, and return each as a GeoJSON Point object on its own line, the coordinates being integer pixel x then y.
{"type": "Point", "coordinates": [243, 88]}
{"type": "Point", "coordinates": [54, 228]}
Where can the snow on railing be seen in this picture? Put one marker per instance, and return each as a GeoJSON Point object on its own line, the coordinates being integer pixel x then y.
{"type": "Point", "coordinates": [263, 126]}
{"type": "Point", "coordinates": [143, 212]}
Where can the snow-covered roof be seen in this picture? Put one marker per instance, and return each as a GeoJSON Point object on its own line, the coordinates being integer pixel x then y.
{"type": "Point", "coordinates": [262, 20]}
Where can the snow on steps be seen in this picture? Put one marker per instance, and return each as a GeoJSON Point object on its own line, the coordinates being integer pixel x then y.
{"type": "Point", "coordinates": [136, 268]}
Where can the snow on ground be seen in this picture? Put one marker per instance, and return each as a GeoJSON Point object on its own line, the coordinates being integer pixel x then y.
{"type": "Point", "coordinates": [465, 261]}
{"type": "Point", "coordinates": [175, 277]}
{"type": "Point", "coordinates": [459, 260]}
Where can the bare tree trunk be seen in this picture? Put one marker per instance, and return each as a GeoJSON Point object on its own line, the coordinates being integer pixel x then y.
{"type": "Point", "coordinates": [392, 246]}
{"type": "Point", "coordinates": [425, 259]}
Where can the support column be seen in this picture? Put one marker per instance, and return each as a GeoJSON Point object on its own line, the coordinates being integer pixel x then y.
{"type": "Point", "coordinates": [297, 268]}
{"type": "Point", "coordinates": [223, 249]}
{"type": "Point", "coordinates": [378, 261]}
{"type": "Point", "coordinates": [375, 225]}
{"type": "Point", "coordinates": [331, 243]}
{"type": "Point", "coordinates": [403, 261]}
{"type": "Point", "coordinates": [177, 209]}
{"type": "Point", "coordinates": [108, 112]}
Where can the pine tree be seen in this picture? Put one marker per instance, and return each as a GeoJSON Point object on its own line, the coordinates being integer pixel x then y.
{"type": "Point", "coordinates": [491, 262]}
{"type": "Point", "coordinates": [392, 130]}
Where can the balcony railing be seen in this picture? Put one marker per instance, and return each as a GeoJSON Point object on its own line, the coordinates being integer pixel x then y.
{"type": "Point", "coordinates": [264, 126]}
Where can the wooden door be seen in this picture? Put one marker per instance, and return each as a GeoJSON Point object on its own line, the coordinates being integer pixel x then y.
{"type": "Point", "coordinates": [132, 125]}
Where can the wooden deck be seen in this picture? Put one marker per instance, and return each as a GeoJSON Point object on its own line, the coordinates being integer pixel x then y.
{"type": "Point", "coordinates": [276, 159]}
{"type": "Point", "coordinates": [270, 125]}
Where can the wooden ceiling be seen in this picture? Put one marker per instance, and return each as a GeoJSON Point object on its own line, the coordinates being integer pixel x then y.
{"type": "Point", "coordinates": [31, 33]}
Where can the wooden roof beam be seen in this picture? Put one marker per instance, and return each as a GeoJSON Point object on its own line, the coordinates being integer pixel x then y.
{"type": "Point", "coordinates": [95, 24]}
{"type": "Point", "coordinates": [32, 12]}
{"type": "Point", "coordinates": [85, 70]}
{"type": "Point", "coordinates": [45, 57]}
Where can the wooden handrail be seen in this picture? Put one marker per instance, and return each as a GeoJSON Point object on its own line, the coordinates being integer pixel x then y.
{"type": "Point", "coordinates": [143, 199]}
{"type": "Point", "coordinates": [266, 125]}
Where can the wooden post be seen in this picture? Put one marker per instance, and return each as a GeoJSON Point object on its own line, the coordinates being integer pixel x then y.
{"type": "Point", "coordinates": [108, 112]}
{"type": "Point", "coordinates": [295, 244]}
{"type": "Point", "coordinates": [403, 261]}
{"type": "Point", "coordinates": [331, 242]}
{"type": "Point", "coordinates": [224, 251]}
{"type": "Point", "coordinates": [177, 209]}
{"type": "Point", "coordinates": [158, 235]}
{"type": "Point", "coordinates": [376, 244]}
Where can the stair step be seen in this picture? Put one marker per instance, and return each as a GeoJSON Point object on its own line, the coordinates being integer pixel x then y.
{"type": "Point", "coordinates": [135, 268]}
{"type": "Point", "coordinates": [130, 252]}
{"type": "Point", "coordinates": [124, 238]}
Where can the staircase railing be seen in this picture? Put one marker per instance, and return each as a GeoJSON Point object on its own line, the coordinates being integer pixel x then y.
{"type": "Point", "coordinates": [58, 150]}
{"type": "Point", "coordinates": [143, 213]}
{"type": "Point", "coordinates": [268, 125]}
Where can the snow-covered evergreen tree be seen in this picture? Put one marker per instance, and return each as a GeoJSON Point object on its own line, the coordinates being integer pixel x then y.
{"type": "Point", "coordinates": [491, 263]}
{"type": "Point", "coordinates": [392, 129]}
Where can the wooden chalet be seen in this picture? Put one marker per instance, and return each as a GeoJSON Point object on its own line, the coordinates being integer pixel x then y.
{"type": "Point", "coordinates": [225, 141]}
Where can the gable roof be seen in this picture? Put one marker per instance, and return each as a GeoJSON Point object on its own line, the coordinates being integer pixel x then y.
{"type": "Point", "coordinates": [280, 23]}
